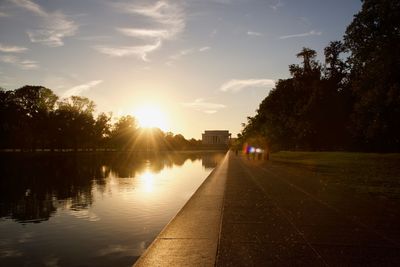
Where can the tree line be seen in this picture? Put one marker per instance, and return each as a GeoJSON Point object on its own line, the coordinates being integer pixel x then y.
{"type": "Point", "coordinates": [33, 117]}
{"type": "Point", "coordinates": [351, 101]}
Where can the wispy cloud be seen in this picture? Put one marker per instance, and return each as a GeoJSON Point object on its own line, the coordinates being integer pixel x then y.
{"type": "Point", "coordinates": [169, 14]}
{"type": "Point", "coordinates": [278, 4]}
{"type": "Point", "coordinates": [165, 20]}
{"type": "Point", "coordinates": [202, 106]}
{"type": "Point", "coordinates": [182, 53]}
{"type": "Point", "coordinates": [55, 25]}
{"type": "Point", "coordinates": [254, 33]}
{"type": "Point", "coordinates": [24, 64]}
{"type": "Point", "coordinates": [79, 89]}
{"type": "Point", "coordinates": [237, 85]}
{"type": "Point", "coordinates": [204, 48]}
{"type": "Point", "coordinates": [145, 33]}
{"type": "Point", "coordinates": [28, 64]}
{"type": "Point", "coordinates": [185, 52]}
{"type": "Point", "coordinates": [12, 48]}
{"type": "Point", "coordinates": [305, 34]}
{"type": "Point", "coordinates": [31, 6]}
{"type": "Point", "coordinates": [9, 59]}
{"type": "Point", "coordinates": [122, 51]}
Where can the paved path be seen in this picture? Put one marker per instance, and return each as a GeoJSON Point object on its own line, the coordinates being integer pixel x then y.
{"type": "Point", "coordinates": [263, 213]}
{"type": "Point", "coordinates": [191, 238]}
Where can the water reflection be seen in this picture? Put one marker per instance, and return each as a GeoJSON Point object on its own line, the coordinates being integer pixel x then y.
{"type": "Point", "coordinates": [146, 179]}
{"type": "Point", "coordinates": [34, 186]}
{"type": "Point", "coordinates": [91, 209]}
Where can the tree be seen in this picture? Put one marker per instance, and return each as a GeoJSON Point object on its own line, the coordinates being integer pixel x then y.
{"type": "Point", "coordinates": [311, 68]}
{"type": "Point", "coordinates": [35, 99]}
{"type": "Point", "coordinates": [10, 116]}
{"type": "Point", "coordinates": [305, 111]}
{"type": "Point", "coordinates": [102, 130]}
{"type": "Point", "coordinates": [74, 122]}
{"type": "Point", "coordinates": [335, 67]}
{"type": "Point", "coordinates": [124, 133]}
{"type": "Point", "coordinates": [35, 104]}
{"type": "Point", "coordinates": [373, 39]}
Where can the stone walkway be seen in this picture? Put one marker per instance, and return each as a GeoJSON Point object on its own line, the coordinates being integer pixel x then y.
{"type": "Point", "coordinates": [191, 238]}
{"type": "Point", "coordinates": [256, 213]}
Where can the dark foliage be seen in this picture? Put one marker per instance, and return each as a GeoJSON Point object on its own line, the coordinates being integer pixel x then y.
{"type": "Point", "coordinates": [344, 104]}
{"type": "Point", "coordinates": [32, 117]}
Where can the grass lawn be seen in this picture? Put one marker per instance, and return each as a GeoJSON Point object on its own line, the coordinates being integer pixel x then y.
{"type": "Point", "coordinates": [377, 174]}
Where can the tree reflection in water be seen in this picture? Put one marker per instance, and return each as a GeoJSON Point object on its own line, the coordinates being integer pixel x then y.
{"type": "Point", "coordinates": [34, 186]}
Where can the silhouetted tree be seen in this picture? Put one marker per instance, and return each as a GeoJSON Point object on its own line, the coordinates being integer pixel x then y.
{"type": "Point", "coordinates": [26, 112]}
{"type": "Point", "coordinates": [102, 130]}
{"type": "Point", "coordinates": [10, 118]}
{"type": "Point", "coordinates": [75, 122]}
{"type": "Point", "coordinates": [319, 106]}
{"type": "Point", "coordinates": [373, 39]}
{"type": "Point", "coordinates": [302, 112]}
{"type": "Point", "coordinates": [32, 117]}
{"type": "Point", "coordinates": [124, 133]}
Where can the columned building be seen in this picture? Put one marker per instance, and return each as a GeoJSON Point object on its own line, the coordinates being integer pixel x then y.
{"type": "Point", "coordinates": [216, 137]}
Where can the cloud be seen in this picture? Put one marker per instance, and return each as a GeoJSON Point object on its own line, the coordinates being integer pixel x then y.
{"type": "Point", "coordinates": [165, 20]}
{"type": "Point", "coordinates": [122, 51]}
{"type": "Point", "coordinates": [169, 15]}
{"type": "Point", "coordinates": [254, 33]}
{"type": "Point", "coordinates": [9, 59]}
{"type": "Point", "coordinates": [278, 4]}
{"type": "Point", "coordinates": [55, 25]}
{"type": "Point", "coordinates": [310, 33]}
{"type": "Point", "coordinates": [145, 33]}
{"type": "Point", "coordinates": [12, 49]}
{"type": "Point", "coordinates": [165, 12]}
{"type": "Point", "coordinates": [175, 57]}
{"type": "Point", "coordinates": [189, 51]}
{"type": "Point", "coordinates": [182, 53]}
{"type": "Point", "coordinates": [237, 85]}
{"type": "Point", "coordinates": [31, 6]}
{"type": "Point", "coordinates": [206, 107]}
{"type": "Point", "coordinates": [77, 90]}
{"type": "Point", "coordinates": [21, 63]}
{"type": "Point", "coordinates": [28, 64]}
{"type": "Point", "coordinates": [204, 48]}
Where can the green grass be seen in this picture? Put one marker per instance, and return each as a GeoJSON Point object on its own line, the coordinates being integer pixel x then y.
{"type": "Point", "coordinates": [364, 172]}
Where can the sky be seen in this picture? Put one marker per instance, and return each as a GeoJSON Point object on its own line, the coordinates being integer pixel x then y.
{"type": "Point", "coordinates": [195, 65]}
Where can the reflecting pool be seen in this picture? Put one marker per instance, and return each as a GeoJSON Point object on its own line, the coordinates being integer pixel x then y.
{"type": "Point", "coordinates": [91, 209]}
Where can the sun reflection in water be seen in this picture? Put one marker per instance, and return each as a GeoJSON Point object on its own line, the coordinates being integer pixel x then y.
{"type": "Point", "coordinates": [147, 181]}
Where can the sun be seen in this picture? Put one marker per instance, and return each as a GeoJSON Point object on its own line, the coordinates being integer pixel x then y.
{"type": "Point", "coordinates": [151, 116]}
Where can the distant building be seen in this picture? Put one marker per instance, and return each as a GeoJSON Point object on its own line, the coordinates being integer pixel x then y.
{"type": "Point", "coordinates": [216, 137]}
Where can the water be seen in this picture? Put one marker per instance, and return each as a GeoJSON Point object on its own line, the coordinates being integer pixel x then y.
{"type": "Point", "coordinates": [93, 209]}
